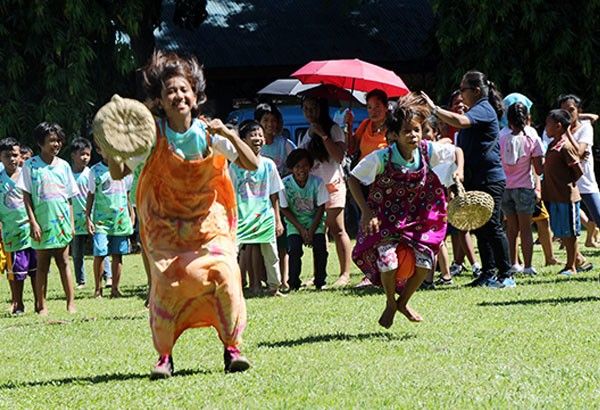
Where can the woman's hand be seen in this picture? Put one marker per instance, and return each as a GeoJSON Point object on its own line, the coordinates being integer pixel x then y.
{"type": "Point", "coordinates": [369, 223]}
{"type": "Point", "coordinates": [428, 100]}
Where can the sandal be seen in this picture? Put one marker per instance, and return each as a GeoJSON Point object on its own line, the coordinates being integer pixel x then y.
{"type": "Point", "coordinates": [566, 272]}
{"type": "Point", "coordinates": [427, 285]}
{"type": "Point", "coordinates": [443, 281]}
{"type": "Point", "coordinates": [585, 267]}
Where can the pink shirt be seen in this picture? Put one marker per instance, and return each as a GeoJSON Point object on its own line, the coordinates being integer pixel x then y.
{"type": "Point", "coordinates": [516, 152]}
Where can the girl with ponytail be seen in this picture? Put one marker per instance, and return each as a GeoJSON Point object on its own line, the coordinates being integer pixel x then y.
{"type": "Point", "coordinates": [478, 138]}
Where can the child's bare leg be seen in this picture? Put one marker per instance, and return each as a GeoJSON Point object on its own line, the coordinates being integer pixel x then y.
{"type": "Point", "coordinates": [467, 243]}
{"type": "Point", "coordinates": [335, 224]}
{"type": "Point", "coordinates": [116, 267]}
{"type": "Point", "coordinates": [388, 281]}
{"type": "Point", "coordinates": [284, 265]}
{"type": "Point", "coordinates": [33, 288]}
{"type": "Point", "coordinates": [444, 261]}
{"type": "Point", "coordinates": [545, 237]}
{"type": "Point", "coordinates": [16, 293]}
{"type": "Point", "coordinates": [41, 280]}
{"type": "Point", "coordinates": [61, 256]}
{"type": "Point", "coordinates": [526, 238]}
{"type": "Point", "coordinates": [457, 248]}
{"type": "Point", "coordinates": [98, 264]}
{"type": "Point", "coordinates": [572, 252]}
{"type": "Point", "coordinates": [256, 267]}
{"type": "Point", "coordinates": [411, 286]}
{"type": "Point", "coordinates": [512, 232]}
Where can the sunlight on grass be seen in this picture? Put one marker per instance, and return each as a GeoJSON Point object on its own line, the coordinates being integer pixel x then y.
{"type": "Point", "coordinates": [533, 346]}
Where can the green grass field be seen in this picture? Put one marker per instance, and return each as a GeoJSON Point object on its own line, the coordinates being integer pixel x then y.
{"type": "Point", "coordinates": [535, 346]}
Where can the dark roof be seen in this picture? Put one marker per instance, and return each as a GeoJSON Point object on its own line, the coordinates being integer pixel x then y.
{"type": "Point", "coordinates": [294, 32]}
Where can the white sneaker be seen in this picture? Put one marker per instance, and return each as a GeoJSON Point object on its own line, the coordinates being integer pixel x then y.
{"type": "Point", "coordinates": [530, 271]}
{"type": "Point", "coordinates": [476, 269]}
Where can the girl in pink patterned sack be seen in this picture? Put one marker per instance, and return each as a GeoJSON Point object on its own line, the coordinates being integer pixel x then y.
{"type": "Point", "coordinates": [404, 216]}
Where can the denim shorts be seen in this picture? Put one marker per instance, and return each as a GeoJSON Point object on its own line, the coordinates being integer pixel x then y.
{"type": "Point", "coordinates": [110, 245]}
{"type": "Point", "coordinates": [518, 201]}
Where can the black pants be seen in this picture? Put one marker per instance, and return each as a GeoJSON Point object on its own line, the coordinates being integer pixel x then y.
{"type": "Point", "coordinates": [491, 237]}
{"type": "Point", "coordinates": [295, 252]}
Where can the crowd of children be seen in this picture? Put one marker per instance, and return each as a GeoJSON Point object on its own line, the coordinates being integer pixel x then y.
{"type": "Point", "coordinates": [249, 201]}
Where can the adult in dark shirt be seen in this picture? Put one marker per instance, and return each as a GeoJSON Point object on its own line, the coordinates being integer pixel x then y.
{"type": "Point", "coordinates": [478, 138]}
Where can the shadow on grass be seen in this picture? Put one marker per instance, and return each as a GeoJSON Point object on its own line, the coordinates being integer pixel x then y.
{"type": "Point", "coordinates": [552, 301]}
{"type": "Point", "coordinates": [332, 337]}
{"type": "Point", "coordinates": [102, 378]}
{"type": "Point", "coordinates": [139, 291]}
{"type": "Point", "coordinates": [556, 279]}
{"type": "Point", "coordinates": [54, 322]}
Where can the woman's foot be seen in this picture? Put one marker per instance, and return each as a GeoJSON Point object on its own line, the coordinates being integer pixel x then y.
{"type": "Point", "coordinates": [387, 317]}
{"type": "Point", "coordinates": [98, 293]}
{"type": "Point", "coordinates": [71, 308]}
{"type": "Point", "coordinates": [552, 262]}
{"type": "Point", "coordinates": [342, 281]}
{"type": "Point", "coordinates": [43, 312]}
{"type": "Point", "coordinates": [163, 369]}
{"type": "Point", "coordinates": [410, 314]}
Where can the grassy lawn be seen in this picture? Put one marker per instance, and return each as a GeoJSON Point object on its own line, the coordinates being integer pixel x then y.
{"type": "Point", "coordinates": [534, 346]}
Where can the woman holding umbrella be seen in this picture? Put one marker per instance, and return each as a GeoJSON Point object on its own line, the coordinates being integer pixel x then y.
{"type": "Point", "coordinates": [326, 142]}
{"type": "Point", "coordinates": [478, 138]}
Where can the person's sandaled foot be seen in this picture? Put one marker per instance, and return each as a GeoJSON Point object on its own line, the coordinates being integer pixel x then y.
{"type": "Point", "coordinates": [387, 317]}
{"type": "Point", "coordinates": [364, 283]}
{"type": "Point", "coordinates": [585, 267]}
{"type": "Point", "coordinates": [342, 281]}
{"type": "Point", "coordinates": [410, 314]}
{"type": "Point", "coordinates": [442, 281]}
{"type": "Point", "coordinates": [71, 308]}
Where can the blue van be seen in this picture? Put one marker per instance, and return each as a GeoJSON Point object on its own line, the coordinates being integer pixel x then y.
{"type": "Point", "coordinates": [294, 123]}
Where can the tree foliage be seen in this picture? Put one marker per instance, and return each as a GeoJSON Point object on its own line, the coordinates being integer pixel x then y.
{"type": "Point", "coordinates": [540, 48]}
{"type": "Point", "coordinates": [62, 59]}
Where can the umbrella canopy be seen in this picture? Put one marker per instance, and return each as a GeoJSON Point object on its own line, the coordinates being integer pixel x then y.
{"type": "Point", "coordinates": [291, 86]}
{"type": "Point", "coordinates": [352, 74]}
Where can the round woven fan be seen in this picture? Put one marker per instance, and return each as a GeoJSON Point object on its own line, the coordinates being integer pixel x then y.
{"type": "Point", "coordinates": [124, 128]}
{"type": "Point", "coordinates": [470, 210]}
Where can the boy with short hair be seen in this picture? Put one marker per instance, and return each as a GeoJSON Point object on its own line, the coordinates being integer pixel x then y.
{"type": "Point", "coordinates": [562, 169]}
{"type": "Point", "coordinates": [303, 205]}
{"type": "Point", "coordinates": [109, 222]}
{"type": "Point", "coordinates": [21, 259]}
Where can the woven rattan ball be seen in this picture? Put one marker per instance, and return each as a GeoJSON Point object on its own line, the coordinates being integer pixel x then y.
{"type": "Point", "coordinates": [470, 210]}
{"type": "Point", "coordinates": [124, 128]}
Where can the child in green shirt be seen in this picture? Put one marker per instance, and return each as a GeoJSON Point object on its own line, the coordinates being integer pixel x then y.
{"type": "Point", "coordinates": [108, 215]}
{"type": "Point", "coordinates": [303, 205]}
{"type": "Point", "coordinates": [15, 226]}
{"type": "Point", "coordinates": [48, 186]}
